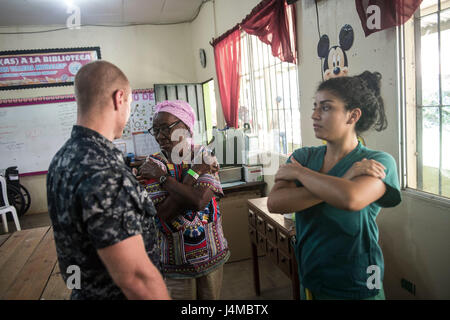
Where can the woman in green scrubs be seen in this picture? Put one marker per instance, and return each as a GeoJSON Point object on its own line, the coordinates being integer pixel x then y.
{"type": "Point", "coordinates": [337, 191]}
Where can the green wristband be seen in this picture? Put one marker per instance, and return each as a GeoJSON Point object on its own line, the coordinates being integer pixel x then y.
{"type": "Point", "coordinates": [194, 174]}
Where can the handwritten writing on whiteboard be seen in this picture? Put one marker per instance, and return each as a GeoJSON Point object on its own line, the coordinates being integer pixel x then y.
{"type": "Point", "coordinates": [30, 135]}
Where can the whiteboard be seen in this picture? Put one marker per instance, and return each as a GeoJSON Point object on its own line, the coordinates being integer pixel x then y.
{"type": "Point", "coordinates": [33, 130]}
{"type": "Point", "coordinates": [31, 134]}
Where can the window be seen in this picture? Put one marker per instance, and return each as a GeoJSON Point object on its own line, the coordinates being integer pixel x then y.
{"type": "Point", "coordinates": [426, 71]}
{"type": "Point", "coordinates": [269, 97]}
{"type": "Point", "coordinates": [201, 98]}
{"type": "Point", "coordinates": [209, 98]}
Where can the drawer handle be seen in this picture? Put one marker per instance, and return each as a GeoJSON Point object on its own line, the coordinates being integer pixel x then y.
{"type": "Point", "coordinates": [283, 259]}
{"type": "Point", "coordinates": [251, 231]}
{"type": "Point", "coordinates": [282, 238]}
{"type": "Point", "coordinates": [272, 249]}
{"type": "Point", "coordinates": [261, 240]}
{"type": "Point", "coordinates": [269, 228]}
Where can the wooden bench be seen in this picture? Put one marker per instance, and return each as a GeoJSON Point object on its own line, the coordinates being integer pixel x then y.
{"type": "Point", "coordinates": [29, 268]}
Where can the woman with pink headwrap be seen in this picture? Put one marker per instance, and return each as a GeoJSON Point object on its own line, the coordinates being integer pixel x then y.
{"type": "Point", "coordinates": [183, 183]}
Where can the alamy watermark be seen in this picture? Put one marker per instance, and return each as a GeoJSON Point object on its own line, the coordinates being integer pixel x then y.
{"type": "Point", "coordinates": [231, 149]}
{"type": "Point", "coordinates": [374, 18]}
{"type": "Point", "coordinates": [374, 280]}
{"type": "Point", "coordinates": [74, 20]}
{"type": "Point", "coordinates": [74, 280]}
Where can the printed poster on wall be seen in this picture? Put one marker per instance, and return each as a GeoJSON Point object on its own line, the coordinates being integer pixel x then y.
{"type": "Point", "coordinates": [135, 137]}
{"type": "Point", "coordinates": [23, 69]}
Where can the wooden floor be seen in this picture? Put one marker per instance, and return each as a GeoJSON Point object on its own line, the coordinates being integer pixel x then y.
{"type": "Point", "coordinates": [29, 269]}
{"type": "Point", "coordinates": [238, 281]}
{"type": "Point", "coordinates": [28, 266]}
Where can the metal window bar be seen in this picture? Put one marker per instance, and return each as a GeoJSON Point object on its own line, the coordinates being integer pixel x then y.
{"type": "Point", "coordinates": [440, 95]}
{"type": "Point", "coordinates": [419, 117]}
{"type": "Point", "coordinates": [263, 84]}
{"type": "Point", "coordinates": [268, 69]}
{"type": "Point", "coordinates": [420, 105]}
{"type": "Point", "coordinates": [276, 90]}
{"type": "Point", "coordinates": [284, 142]}
{"type": "Point", "coordinates": [250, 88]}
{"type": "Point", "coordinates": [401, 78]}
{"type": "Point", "coordinates": [298, 106]}
{"type": "Point", "coordinates": [267, 80]}
{"type": "Point", "coordinates": [291, 145]}
{"type": "Point", "coordinates": [245, 81]}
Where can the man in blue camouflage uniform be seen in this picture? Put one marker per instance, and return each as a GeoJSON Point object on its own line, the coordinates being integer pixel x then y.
{"type": "Point", "coordinates": [102, 220]}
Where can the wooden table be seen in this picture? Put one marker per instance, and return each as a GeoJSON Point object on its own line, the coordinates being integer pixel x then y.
{"type": "Point", "coordinates": [29, 268]}
{"type": "Point", "coordinates": [271, 234]}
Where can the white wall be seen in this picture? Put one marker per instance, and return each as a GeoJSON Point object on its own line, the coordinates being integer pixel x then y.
{"type": "Point", "coordinates": [147, 55]}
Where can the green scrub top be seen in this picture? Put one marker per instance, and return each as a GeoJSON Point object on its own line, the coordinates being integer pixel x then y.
{"type": "Point", "coordinates": [335, 247]}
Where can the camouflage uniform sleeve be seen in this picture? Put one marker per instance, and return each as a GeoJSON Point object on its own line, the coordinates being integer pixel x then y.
{"type": "Point", "coordinates": [111, 208]}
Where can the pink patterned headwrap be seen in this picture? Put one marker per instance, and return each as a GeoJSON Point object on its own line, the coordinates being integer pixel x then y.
{"type": "Point", "coordinates": [180, 109]}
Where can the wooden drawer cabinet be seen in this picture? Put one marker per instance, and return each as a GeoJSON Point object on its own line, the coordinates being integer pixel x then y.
{"type": "Point", "coordinates": [271, 234]}
{"type": "Point", "coordinates": [272, 252]}
{"type": "Point", "coordinates": [262, 242]}
{"type": "Point", "coordinates": [284, 262]}
{"type": "Point", "coordinates": [260, 225]}
{"type": "Point", "coordinates": [283, 242]}
{"type": "Point", "coordinates": [252, 235]}
{"type": "Point", "coordinates": [251, 218]}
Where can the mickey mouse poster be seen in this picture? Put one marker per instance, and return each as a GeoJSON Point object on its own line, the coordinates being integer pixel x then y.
{"type": "Point", "coordinates": [336, 62]}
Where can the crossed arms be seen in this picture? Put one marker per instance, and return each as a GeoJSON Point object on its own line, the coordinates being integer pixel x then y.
{"type": "Point", "coordinates": [360, 186]}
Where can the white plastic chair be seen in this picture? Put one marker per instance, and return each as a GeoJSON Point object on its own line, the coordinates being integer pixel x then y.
{"type": "Point", "coordinates": [7, 208]}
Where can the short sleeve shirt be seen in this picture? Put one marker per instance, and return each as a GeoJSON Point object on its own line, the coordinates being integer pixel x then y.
{"type": "Point", "coordinates": [94, 202]}
{"type": "Point", "coordinates": [335, 247]}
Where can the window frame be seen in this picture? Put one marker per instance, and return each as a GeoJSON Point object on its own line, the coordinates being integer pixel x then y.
{"type": "Point", "coordinates": [203, 125]}
{"type": "Point", "coordinates": [409, 84]}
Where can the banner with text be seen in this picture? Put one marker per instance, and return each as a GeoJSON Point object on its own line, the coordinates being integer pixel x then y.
{"type": "Point", "coordinates": [43, 68]}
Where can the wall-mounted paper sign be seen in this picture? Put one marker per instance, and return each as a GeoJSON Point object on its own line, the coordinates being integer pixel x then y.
{"type": "Point", "coordinates": [24, 69]}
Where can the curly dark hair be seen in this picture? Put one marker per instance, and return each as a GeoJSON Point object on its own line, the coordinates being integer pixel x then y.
{"type": "Point", "coordinates": [363, 92]}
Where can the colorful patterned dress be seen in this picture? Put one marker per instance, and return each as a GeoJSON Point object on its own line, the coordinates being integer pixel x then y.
{"type": "Point", "coordinates": [193, 244]}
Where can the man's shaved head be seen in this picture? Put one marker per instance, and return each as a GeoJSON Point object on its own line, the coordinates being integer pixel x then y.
{"type": "Point", "coordinates": [96, 83]}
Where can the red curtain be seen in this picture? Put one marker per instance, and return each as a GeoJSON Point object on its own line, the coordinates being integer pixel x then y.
{"type": "Point", "coordinates": [274, 23]}
{"type": "Point", "coordinates": [227, 55]}
{"type": "Point", "coordinates": [392, 13]}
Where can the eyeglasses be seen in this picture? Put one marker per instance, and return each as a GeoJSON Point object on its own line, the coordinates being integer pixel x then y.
{"type": "Point", "coordinates": [165, 130]}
